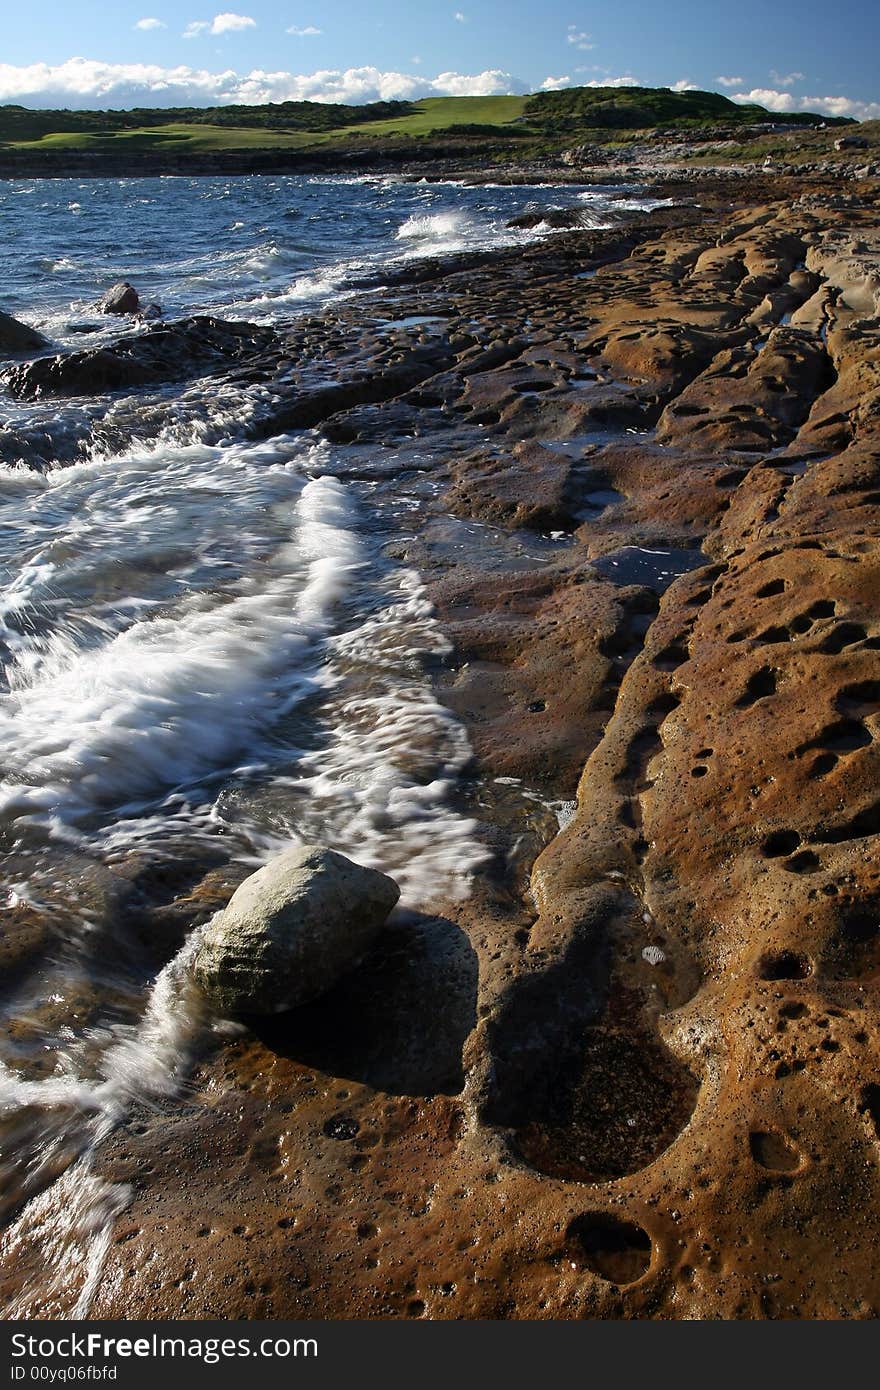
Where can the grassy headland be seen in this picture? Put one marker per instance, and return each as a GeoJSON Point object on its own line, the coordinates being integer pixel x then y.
{"type": "Point", "coordinates": [501, 129]}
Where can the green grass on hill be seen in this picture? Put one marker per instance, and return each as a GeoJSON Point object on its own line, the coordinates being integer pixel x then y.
{"type": "Point", "coordinates": [545, 121]}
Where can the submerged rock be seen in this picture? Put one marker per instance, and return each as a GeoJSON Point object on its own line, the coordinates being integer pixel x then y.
{"type": "Point", "coordinates": [291, 930]}
{"type": "Point", "coordinates": [122, 298]}
{"type": "Point", "coordinates": [19, 337]}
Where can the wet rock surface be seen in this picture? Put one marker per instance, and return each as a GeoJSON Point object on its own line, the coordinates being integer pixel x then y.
{"type": "Point", "coordinates": [18, 338]}
{"type": "Point", "coordinates": [121, 298]}
{"type": "Point", "coordinates": [636, 1073]}
{"type": "Point", "coordinates": [157, 354]}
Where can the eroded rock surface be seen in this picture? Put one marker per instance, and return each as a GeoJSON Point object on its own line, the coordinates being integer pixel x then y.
{"type": "Point", "coordinates": [642, 1080]}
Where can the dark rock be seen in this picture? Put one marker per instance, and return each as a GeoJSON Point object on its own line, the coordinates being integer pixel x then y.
{"type": "Point", "coordinates": [168, 352]}
{"type": "Point", "coordinates": [123, 298]}
{"type": "Point", "coordinates": [19, 337]}
{"type": "Point", "coordinates": [558, 218]}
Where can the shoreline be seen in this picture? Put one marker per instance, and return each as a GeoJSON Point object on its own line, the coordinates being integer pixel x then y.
{"type": "Point", "coordinates": [630, 1076]}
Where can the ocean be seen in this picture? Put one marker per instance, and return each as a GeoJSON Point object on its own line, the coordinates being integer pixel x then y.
{"type": "Point", "coordinates": [209, 648]}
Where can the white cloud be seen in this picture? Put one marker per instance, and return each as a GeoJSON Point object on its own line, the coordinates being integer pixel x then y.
{"type": "Point", "coordinates": [826, 106]}
{"type": "Point", "coordinates": [225, 23]}
{"type": "Point", "coordinates": [730, 81]}
{"type": "Point", "coordinates": [307, 32]}
{"type": "Point", "coordinates": [788, 80]}
{"type": "Point", "coordinates": [150, 23]}
{"type": "Point", "coordinates": [683, 85]}
{"type": "Point", "coordinates": [613, 82]}
{"type": "Point", "coordinates": [81, 83]}
{"type": "Point", "coordinates": [578, 38]}
{"type": "Point", "coordinates": [459, 17]}
{"type": "Point", "coordinates": [555, 84]}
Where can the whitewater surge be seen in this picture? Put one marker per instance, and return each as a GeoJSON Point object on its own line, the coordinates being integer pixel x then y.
{"type": "Point", "coordinates": [202, 644]}
{"type": "Point", "coordinates": [250, 248]}
{"type": "Point", "coordinates": [207, 655]}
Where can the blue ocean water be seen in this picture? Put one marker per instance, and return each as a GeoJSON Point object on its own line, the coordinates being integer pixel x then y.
{"type": "Point", "coordinates": [257, 248]}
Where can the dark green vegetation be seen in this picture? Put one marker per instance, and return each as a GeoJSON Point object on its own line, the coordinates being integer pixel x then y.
{"type": "Point", "coordinates": [19, 124]}
{"type": "Point", "coordinates": [580, 109]}
{"type": "Point", "coordinates": [501, 127]}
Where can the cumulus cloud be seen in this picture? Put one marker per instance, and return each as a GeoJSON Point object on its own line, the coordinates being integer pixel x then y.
{"type": "Point", "coordinates": [783, 102]}
{"type": "Point", "coordinates": [788, 80]}
{"type": "Point", "coordinates": [578, 38]}
{"type": "Point", "coordinates": [81, 83]}
{"type": "Point", "coordinates": [307, 32]}
{"type": "Point", "coordinates": [626, 81]}
{"type": "Point", "coordinates": [555, 84]}
{"type": "Point", "coordinates": [730, 81]}
{"type": "Point", "coordinates": [683, 85]}
{"type": "Point", "coordinates": [225, 23]}
{"type": "Point", "coordinates": [150, 23]}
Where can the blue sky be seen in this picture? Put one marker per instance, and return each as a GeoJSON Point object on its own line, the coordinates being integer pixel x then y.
{"type": "Point", "coordinates": [788, 54]}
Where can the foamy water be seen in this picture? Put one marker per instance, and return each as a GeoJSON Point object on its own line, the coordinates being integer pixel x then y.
{"type": "Point", "coordinates": [172, 610]}
{"type": "Point", "coordinates": [248, 248]}
{"type": "Point", "coordinates": [205, 650]}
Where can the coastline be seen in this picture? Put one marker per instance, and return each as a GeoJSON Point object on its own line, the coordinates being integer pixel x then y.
{"type": "Point", "coordinates": [686, 969]}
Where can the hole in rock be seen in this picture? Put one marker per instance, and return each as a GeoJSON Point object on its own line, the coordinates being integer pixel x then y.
{"type": "Point", "coordinates": [865, 823]}
{"type": "Point", "coordinates": [526, 388]}
{"type": "Point", "coordinates": [784, 965]}
{"type": "Point", "coordinates": [825, 763]}
{"type": "Point", "coordinates": [341, 1127]}
{"type": "Point", "coordinates": [776, 586]}
{"type": "Point", "coordinates": [665, 704]}
{"type": "Point", "coordinates": [844, 635]}
{"type": "Point", "coordinates": [773, 1151]}
{"type": "Point", "coordinates": [861, 698]}
{"type": "Point", "coordinates": [869, 1105]}
{"type": "Point", "coordinates": [794, 1009]}
{"type": "Point", "coordinates": [671, 657]}
{"type": "Point", "coordinates": [616, 1250]}
{"type": "Point", "coordinates": [759, 685]}
{"type": "Point", "coordinates": [845, 736]}
{"type": "Point", "coordinates": [861, 924]}
{"type": "Point", "coordinates": [607, 1107]}
{"type": "Point", "coordinates": [804, 863]}
{"type": "Point", "coordinates": [802, 623]}
{"type": "Point", "coordinates": [781, 842]}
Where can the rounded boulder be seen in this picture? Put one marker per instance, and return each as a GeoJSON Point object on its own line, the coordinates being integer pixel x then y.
{"type": "Point", "coordinates": [291, 930]}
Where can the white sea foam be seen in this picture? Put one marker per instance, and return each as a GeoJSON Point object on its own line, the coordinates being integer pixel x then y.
{"type": "Point", "coordinates": [381, 787]}
{"type": "Point", "coordinates": [442, 232]}
{"type": "Point", "coordinates": [174, 697]}
{"type": "Point", "coordinates": [59, 1240]}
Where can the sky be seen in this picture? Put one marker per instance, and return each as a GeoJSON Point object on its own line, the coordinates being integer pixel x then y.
{"type": "Point", "coordinates": [789, 55]}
